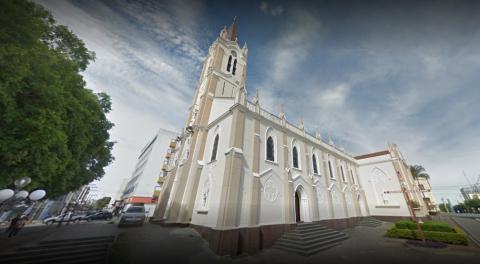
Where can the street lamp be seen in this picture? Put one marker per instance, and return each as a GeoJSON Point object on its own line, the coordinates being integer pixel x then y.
{"type": "Point", "coordinates": [19, 198]}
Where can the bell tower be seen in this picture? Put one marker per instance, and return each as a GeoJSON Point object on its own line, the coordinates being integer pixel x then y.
{"type": "Point", "coordinates": [224, 70]}
{"type": "Point", "coordinates": [220, 86]}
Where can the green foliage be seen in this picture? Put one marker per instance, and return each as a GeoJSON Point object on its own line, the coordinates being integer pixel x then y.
{"type": "Point", "coordinates": [406, 225]}
{"type": "Point", "coordinates": [445, 207]}
{"type": "Point", "coordinates": [101, 203]}
{"type": "Point", "coordinates": [457, 238]}
{"type": "Point", "coordinates": [437, 226]}
{"type": "Point", "coordinates": [472, 203]}
{"type": "Point", "coordinates": [426, 226]}
{"type": "Point", "coordinates": [418, 171]}
{"type": "Point", "coordinates": [52, 128]}
{"type": "Point", "coordinates": [400, 233]}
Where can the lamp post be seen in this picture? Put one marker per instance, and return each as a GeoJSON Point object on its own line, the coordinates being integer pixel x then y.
{"type": "Point", "coordinates": [18, 198]}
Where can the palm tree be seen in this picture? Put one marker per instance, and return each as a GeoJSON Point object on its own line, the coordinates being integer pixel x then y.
{"type": "Point", "coordinates": [418, 171]}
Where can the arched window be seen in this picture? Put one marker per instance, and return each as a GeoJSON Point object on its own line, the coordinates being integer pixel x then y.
{"type": "Point", "coordinates": [295, 157]}
{"type": "Point", "coordinates": [229, 64]}
{"type": "Point", "coordinates": [314, 162]}
{"type": "Point", "coordinates": [234, 66]}
{"type": "Point", "coordinates": [330, 169]}
{"type": "Point", "coordinates": [343, 174]}
{"type": "Point", "coordinates": [270, 149]}
{"type": "Point", "coordinates": [214, 150]}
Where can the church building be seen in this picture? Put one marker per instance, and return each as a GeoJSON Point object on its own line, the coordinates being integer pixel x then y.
{"type": "Point", "coordinates": [243, 176]}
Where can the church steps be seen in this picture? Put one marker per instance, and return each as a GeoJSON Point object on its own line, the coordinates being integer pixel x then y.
{"type": "Point", "coordinates": [370, 222]}
{"type": "Point", "coordinates": [309, 238]}
{"type": "Point", "coordinates": [313, 240]}
{"type": "Point", "coordinates": [296, 235]}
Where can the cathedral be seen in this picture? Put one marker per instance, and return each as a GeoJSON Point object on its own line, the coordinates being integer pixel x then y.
{"type": "Point", "coordinates": [242, 176]}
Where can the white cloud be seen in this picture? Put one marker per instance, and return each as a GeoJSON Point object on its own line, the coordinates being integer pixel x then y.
{"type": "Point", "coordinates": [268, 9]}
{"type": "Point", "coordinates": [147, 57]}
{"type": "Point", "coordinates": [334, 97]}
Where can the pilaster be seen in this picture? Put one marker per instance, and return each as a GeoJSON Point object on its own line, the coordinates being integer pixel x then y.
{"type": "Point", "coordinates": [230, 203]}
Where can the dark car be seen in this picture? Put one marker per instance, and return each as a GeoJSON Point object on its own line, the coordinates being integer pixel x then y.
{"type": "Point", "coordinates": [98, 216]}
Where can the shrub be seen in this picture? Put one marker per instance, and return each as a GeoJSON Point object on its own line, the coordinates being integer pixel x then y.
{"type": "Point", "coordinates": [427, 226]}
{"type": "Point", "coordinates": [400, 233]}
{"type": "Point", "coordinates": [437, 226]}
{"type": "Point", "coordinates": [406, 225]}
{"type": "Point", "coordinates": [458, 238]}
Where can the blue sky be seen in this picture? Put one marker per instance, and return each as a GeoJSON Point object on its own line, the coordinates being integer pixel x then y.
{"type": "Point", "coordinates": [366, 73]}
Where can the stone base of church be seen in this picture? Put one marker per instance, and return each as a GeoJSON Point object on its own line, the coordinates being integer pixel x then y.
{"type": "Point", "coordinates": [251, 240]}
{"type": "Point", "coordinates": [248, 240]}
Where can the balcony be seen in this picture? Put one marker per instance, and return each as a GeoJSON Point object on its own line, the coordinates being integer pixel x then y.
{"type": "Point", "coordinates": [165, 167]}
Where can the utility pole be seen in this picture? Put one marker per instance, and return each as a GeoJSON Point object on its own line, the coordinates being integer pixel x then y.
{"type": "Point", "coordinates": [444, 204]}
{"type": "Point", "coordinates": [410, 208]}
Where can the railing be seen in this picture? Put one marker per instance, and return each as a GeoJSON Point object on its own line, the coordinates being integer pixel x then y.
{"type": "Point", "coordinates": [264, 113]}
{"type": "Point", "coordinates": [295, 129]}
{"type": "Point", "coordinates": [270, 116]}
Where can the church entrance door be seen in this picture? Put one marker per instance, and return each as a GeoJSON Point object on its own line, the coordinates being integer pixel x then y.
{"type": "Point", "coordinates": [297, 207]}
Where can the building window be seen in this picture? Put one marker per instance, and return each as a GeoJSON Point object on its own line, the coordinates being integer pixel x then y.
{"type": "Point", "coordinates": [343, 174]}
{"type": "Point", "coordinates": [214, 150]}
{"type": "Point", "coordinates": [353, 177]}
{"type": "Point", "coordinates": [234, 67]}
{"type": "Point", "coordinates": [229, 64]}
{"type": "Point", "coordinates": [421, 187]}
{"type": "Point", "coordinates": [330, 169]}
{"type": "Point", "coordinates": [295, 157]}
{"type": "Point", "coordinates": [270, 149]}
{"type": "Point", "coordinates": [314, 162]}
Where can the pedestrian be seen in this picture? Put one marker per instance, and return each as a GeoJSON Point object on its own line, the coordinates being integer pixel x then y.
{"type": "Point", "coordinates": [20, 223]}
{"type": "Point", "coordinates": [13, 223]}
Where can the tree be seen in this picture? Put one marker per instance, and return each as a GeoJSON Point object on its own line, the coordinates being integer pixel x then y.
{"type": "Point", "coordinates": [52, 128]}
{"type": "Point", "coordinates": [101, 203]}
{"type": "Point", "coordinates": [472, 203]}
{"type": "Point", "coordinates": [418, 171]}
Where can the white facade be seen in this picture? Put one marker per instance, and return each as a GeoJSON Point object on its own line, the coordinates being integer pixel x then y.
{"type": "Point", "coordinates": [241, 166]}
{"type": "Point", "coordinates": [144, 178]}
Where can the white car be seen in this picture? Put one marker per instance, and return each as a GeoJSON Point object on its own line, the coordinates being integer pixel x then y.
{"type": "Point", "coordinates": [132, 215]}
{"type": "Point", "coordinates": [58, 218]}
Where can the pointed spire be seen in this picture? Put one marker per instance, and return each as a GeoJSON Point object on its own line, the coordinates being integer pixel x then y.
{"type": "Point", "coordinates": [232, 30]}
{"type": "Point", "coordinates": [317, 134]}
{"type": "Point", "coordinates": [282, 115]}
{"type": "Point", "coordinates": [245, 49]}
{"type": "Point", "coordinates": [240, 96]}
{"type": "Point", "coordinates": [282, 112]}
{"type": "Point", "coordinates": [330, 141]}
{"type": "Point", "coordinates": [256, 98]}
{"type": "Point", "coordinates": [302, 124]}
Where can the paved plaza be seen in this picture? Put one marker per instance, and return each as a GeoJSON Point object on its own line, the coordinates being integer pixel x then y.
{"type": "Point", "coordinates": [157, 244]}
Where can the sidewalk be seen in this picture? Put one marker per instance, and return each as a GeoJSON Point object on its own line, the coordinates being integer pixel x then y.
{"type": "Point", "coordinates": [34, 234]}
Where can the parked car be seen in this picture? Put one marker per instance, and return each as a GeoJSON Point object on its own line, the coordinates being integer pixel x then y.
{"type": "Point", "coordinates": [58, 218]}
{"type": "Point", "coordinates": [98, 216]}
{"type": "Point", "coordinates": [132, 215]}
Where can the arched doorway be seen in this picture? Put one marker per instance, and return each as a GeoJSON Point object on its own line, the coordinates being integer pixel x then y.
{"type": "Point", "coordinates": [297, 207]}
{"type": "Point", "coordinates": [302, 211]}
